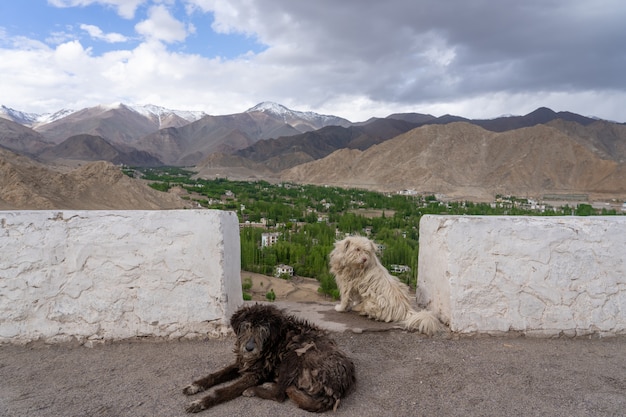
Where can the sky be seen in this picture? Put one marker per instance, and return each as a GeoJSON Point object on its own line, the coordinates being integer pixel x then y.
{"type": "Point", "coordinates": [350, 58]}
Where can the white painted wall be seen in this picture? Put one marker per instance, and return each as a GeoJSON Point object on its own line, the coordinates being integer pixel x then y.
{"type": "Point", "coordinates": [105, 275]}
{"type": "Point", "coordinates": [539, 275]}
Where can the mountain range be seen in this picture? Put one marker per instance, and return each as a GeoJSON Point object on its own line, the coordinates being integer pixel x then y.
{"type": "Point", "coordinates": [530, 155]}
{"type": "Point", "coordinates": [466, 162]}
{"type": "Point", "coordinates": [161, 115]}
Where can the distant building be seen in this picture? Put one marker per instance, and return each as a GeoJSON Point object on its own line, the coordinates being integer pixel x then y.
{"type": "Point", "coordinates": [283, 269]}
{"type": "Point", "coordinates": [268, 239]}
{"type": "Point", "coordinates": [399, 268]}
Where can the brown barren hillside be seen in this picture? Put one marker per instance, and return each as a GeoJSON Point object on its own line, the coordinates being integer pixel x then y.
{"type": "Point", "coordinates": [461, 160]}
{"type": "Point", "coordinates": [28, 185]}
{"type": "Point", "coordinates": [219, 165]}
{"type": "Point", "coordinates": [21, 139]}
{"type": "Point", "coordinates": [190, 144]}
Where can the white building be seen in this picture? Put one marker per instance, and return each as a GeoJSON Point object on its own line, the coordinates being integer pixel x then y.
{"type": "Point", "coordinates": [283, 269]}
{"type": "Point", "coordinates": [400, 268]}
{"type": "Point", "coordinates": [268, 239]}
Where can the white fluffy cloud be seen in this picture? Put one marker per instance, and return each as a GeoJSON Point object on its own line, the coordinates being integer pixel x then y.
{"type": "Point", "coordinates": [125, 8]}
{"type": "Point", "coordinates": [96, 33]}
{"type": "Point", "coordinates": [162, 26]}
{"type": "Point", "coordinates": [353, 58]}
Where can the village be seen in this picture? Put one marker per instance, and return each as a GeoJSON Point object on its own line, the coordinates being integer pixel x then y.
{"type": "Point", "coordinates": [288, 230]}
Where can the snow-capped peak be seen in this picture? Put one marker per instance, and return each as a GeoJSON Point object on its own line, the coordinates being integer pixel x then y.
{"type": "Point", "coordinates": [51, 117]}
{"type": "Point", "coordinates": [149, 110]}
{"type": "Point", "coordinates": [32, 119]}
{"type": "Point", "coordinates": [17, 116]}
{"type": "Point", "coordinates": [288, 115]}
{"type": "Point", "coordinates": [271, 107]}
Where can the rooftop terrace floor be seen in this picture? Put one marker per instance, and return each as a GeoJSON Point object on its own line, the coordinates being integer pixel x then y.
{"type": "Point", "coordinates": [399, 374]}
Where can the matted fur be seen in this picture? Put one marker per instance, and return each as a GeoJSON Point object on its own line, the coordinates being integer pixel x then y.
{"type": "Point", "coordinates": [367, 287]}
{"type": "Point", "coordinates": [279, 355]}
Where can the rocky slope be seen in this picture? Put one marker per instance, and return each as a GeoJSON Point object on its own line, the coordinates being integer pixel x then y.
{"type": "Point", "coordinates": [29, 185]}
{"type": "Point", "coordinates": [461, 160]}
{"type": "Point", "coordinates": [81, 148]}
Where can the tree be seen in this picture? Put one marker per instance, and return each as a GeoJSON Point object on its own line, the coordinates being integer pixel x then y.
{"type": "Point", "coordinates": [584, 210]}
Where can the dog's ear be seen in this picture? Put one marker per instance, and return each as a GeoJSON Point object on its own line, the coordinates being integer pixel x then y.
{"type": "Point", "coordinates": [236, 319]}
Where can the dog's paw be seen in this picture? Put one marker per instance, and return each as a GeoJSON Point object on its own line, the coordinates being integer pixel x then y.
{"type": "Point", "coordinates": [249, 392]}
{"type": "Point", "coordinates": [195, 407]}
{"type": "Point", "coordinates": [192, 389]}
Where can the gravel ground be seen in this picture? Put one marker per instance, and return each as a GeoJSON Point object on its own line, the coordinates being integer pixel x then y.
{"type": "Point", "coordinates": [399, 374]}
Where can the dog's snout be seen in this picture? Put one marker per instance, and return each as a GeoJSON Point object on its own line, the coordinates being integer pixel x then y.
{"type": "Point", "coordinates": [250, 345]}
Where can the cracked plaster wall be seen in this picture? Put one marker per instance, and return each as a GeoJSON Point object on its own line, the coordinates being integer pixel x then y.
{"type": "Point", "coordinates": [538, 275]}
{"type": "Point", "coordinates": [107, 275]}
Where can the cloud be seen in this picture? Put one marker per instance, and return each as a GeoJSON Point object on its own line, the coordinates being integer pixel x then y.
{"type": "Point", "coordinates": [353, 58]}
{"type": "Point", "coordinates": [96, 33]}
{"type": "Point", "coordinates": [56, 38]}
{"type": "Point", "coordinates": [125, 8]}
{"type": "Point", "coordinates": [423, 53]}
{"type": "Point", "coordinates": [162, 26]}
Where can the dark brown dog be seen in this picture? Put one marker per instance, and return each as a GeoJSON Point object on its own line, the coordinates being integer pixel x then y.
{"type": "Point", "coordinates": [278, 355]}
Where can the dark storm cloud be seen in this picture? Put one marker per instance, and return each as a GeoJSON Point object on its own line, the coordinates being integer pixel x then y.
{"type": "Point", "coordinates": [400, 50]}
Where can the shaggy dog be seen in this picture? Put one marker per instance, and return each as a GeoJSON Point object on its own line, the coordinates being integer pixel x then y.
{"type": "Point", "coordinates": [279, 356]}
{"type": "Point", "coordinates": [367, 287]}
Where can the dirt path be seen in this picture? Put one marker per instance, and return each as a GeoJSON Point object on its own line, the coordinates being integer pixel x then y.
{"type": "Point", "coordinates": [299, 289]}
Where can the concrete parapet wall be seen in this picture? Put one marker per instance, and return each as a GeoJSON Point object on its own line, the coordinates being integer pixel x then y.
{"type": "Point", "coordinates": [106, 275]}
{"type": "Point", "coordinates": [538, 275]}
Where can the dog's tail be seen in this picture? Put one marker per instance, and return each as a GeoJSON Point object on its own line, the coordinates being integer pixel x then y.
{"type": "Point", "coordinates": [423, 321]}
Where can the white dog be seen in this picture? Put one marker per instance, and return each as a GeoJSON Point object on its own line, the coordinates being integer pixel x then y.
{"type": "Point", "coordinates": [367, 287]}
